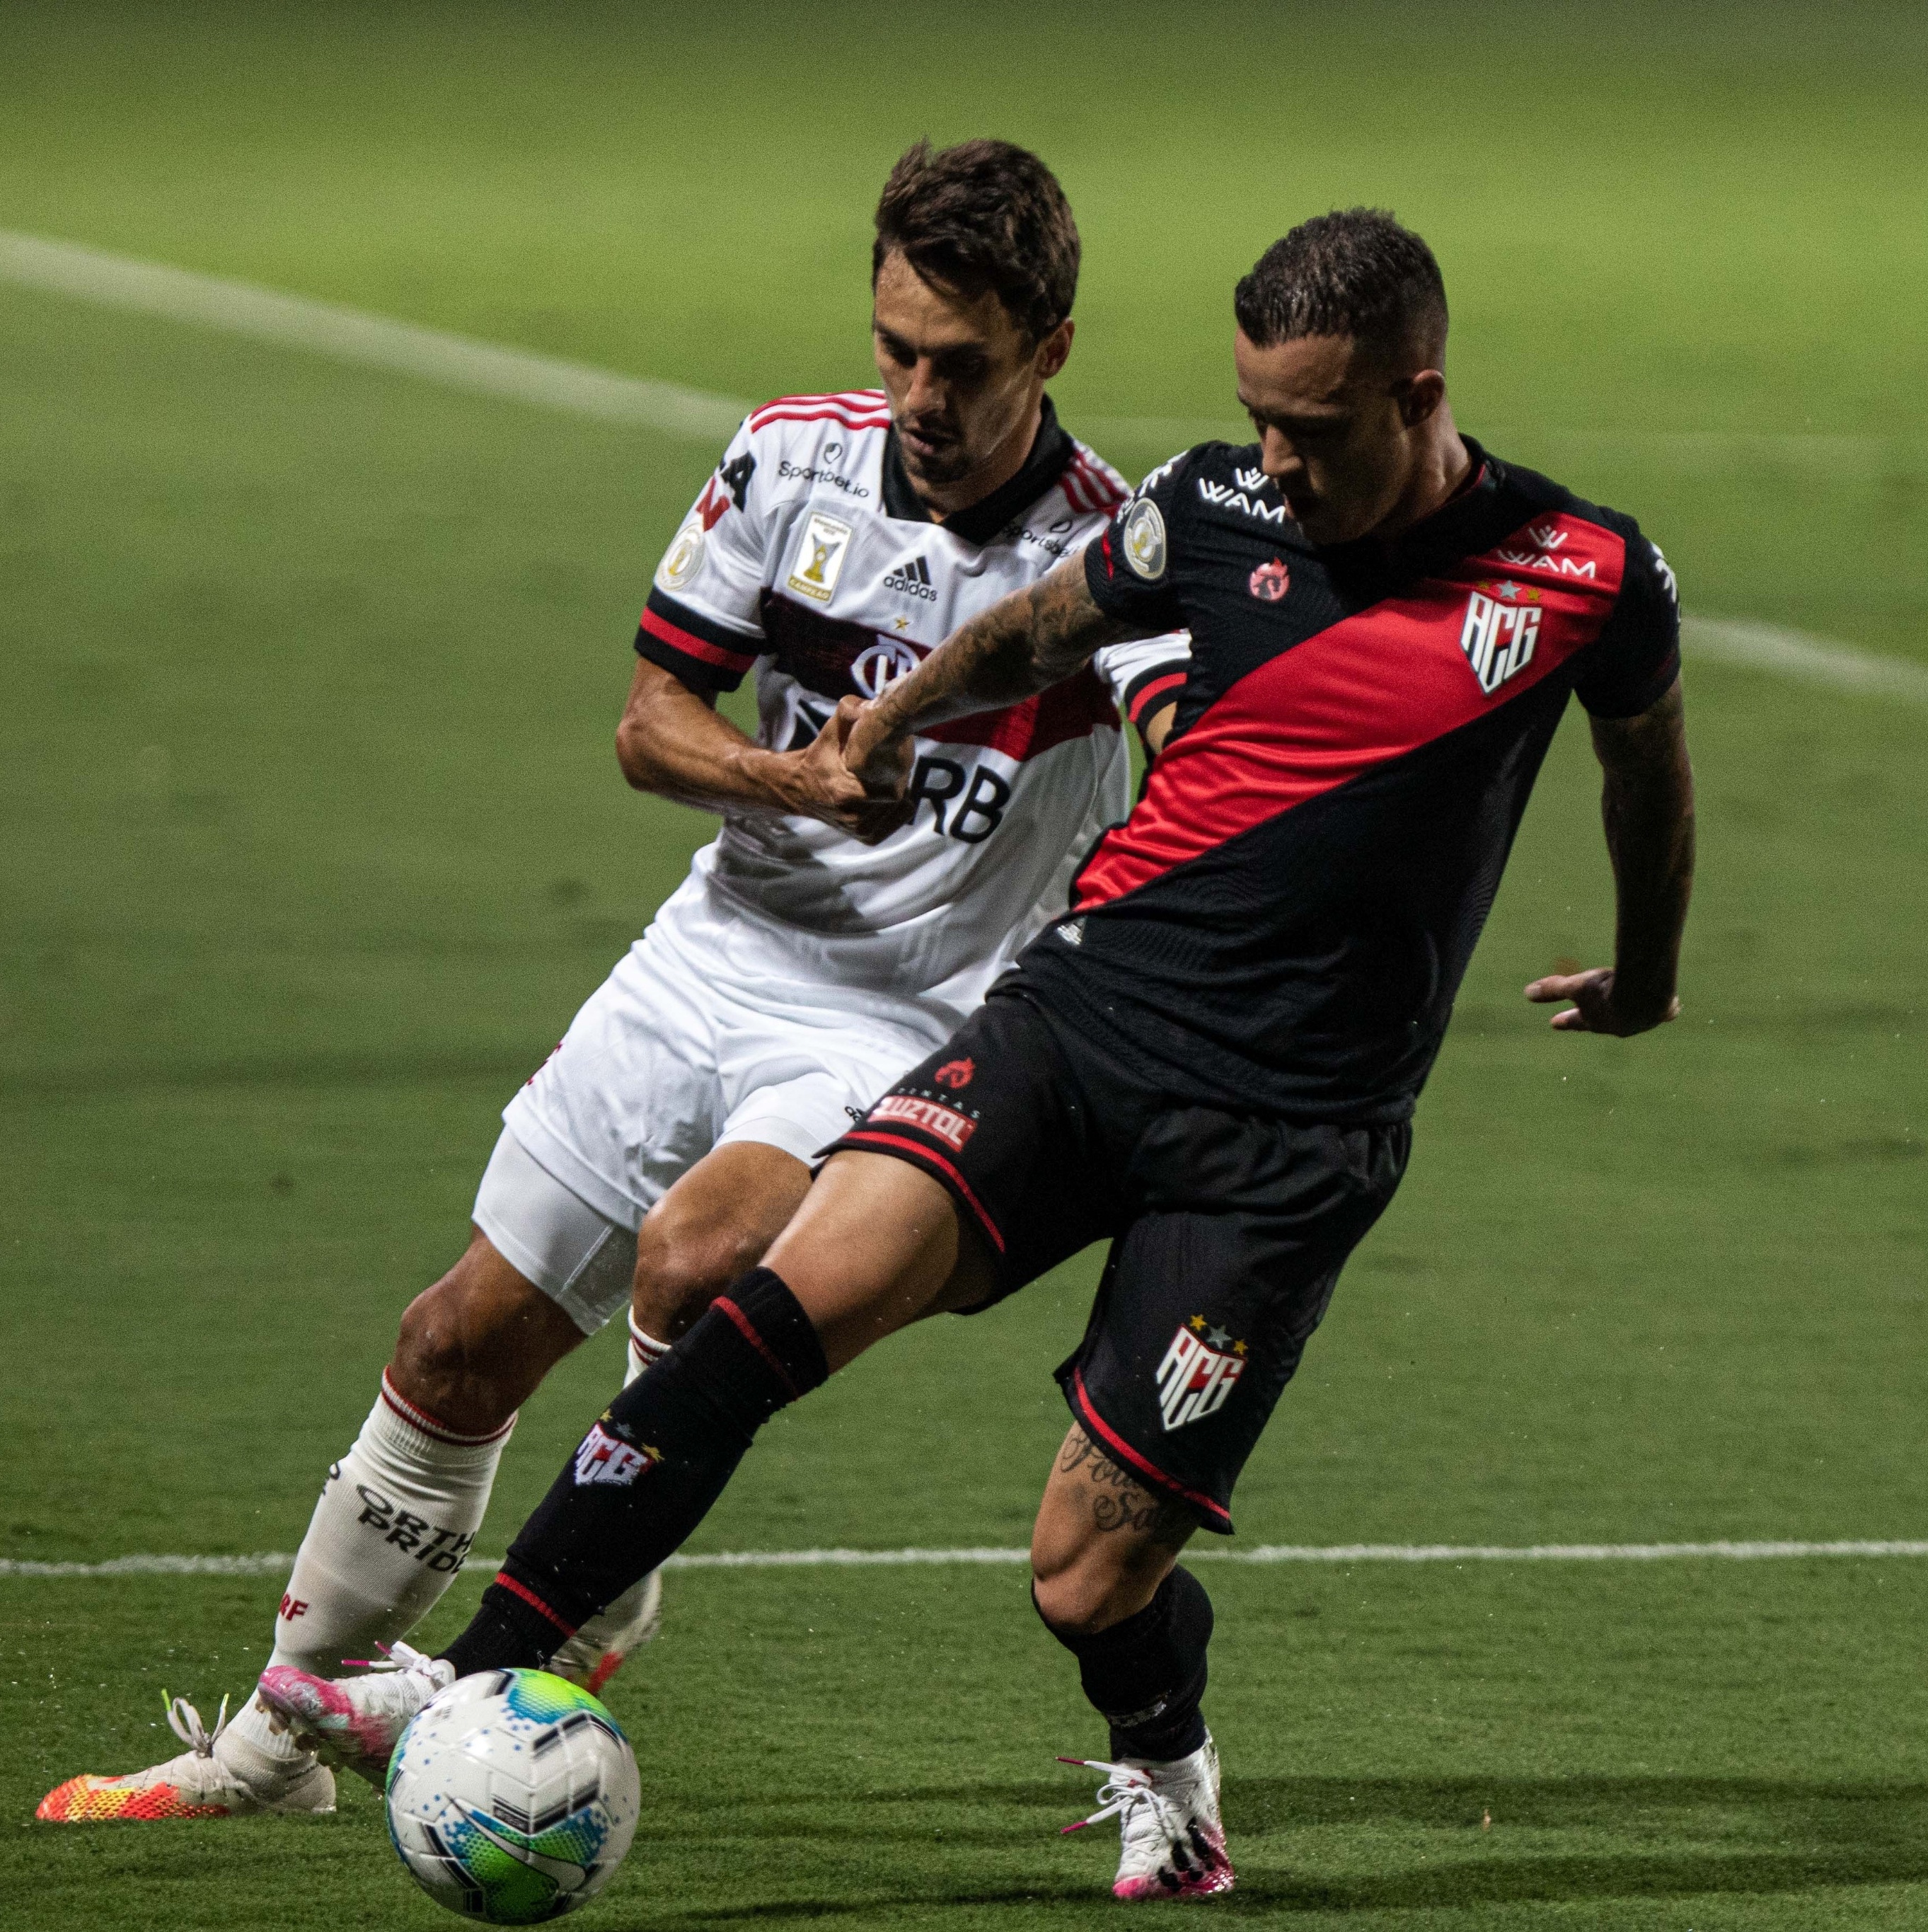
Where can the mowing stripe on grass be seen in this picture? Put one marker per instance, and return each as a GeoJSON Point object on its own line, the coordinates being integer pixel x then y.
{"type": "Point", "coordinates": [352, 335]}
{"type": "Point", "coordinates": [576, 388]}
{"type": "Point", "coordinates": [273, 1563]}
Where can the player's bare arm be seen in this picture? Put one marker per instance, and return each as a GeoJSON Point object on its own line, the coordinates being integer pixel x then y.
{"type": "Point", "coordinates": [1023, 644]}
{"type": "Point", "coordinates": [1646, 806]}
{"type": "Point", "coordinates": [672, 741]}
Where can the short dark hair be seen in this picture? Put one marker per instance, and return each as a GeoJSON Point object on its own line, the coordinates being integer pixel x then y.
{"type": "Point", "coordinates": [1355, 271]}
{"type": "Point", "coordinates": [983, 215]}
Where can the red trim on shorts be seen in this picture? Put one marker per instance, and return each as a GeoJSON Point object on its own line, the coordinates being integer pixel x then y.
{"type": "Point", "coordinates": [534, 1602]}
{"type": "Point", "coordinates": [430, 1425]}
{"type": "Point", "coordinates": [1081, 1403]}
{"type": "Point", "coordinates": [937, 1160]}
{"type": "Point", "coordinates": [747, 1329]}
{"type": "Point", "coordinates": [667, 633]}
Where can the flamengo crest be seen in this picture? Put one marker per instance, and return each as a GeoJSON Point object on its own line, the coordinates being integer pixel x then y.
{"type": "Point", "coordinates": [1197, 1376]}
{"type": "Point", "coordinates": [1499, 632]}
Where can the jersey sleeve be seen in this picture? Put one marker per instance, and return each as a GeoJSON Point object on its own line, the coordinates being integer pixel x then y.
{"type": "Point", "coordinates": [702, 621]}
{"type": "Point", "coordinates": [1145, 674]}
{"type": "Point", "coordinates": [1629, 667]}
{"type": "Point", "coordinates": [1129, 566]}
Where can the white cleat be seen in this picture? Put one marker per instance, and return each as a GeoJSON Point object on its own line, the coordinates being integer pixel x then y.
{"type": "Point", "coordinates": [607, 1642]}
{"type": "Point", "coordinates": [355, 1722]}
{"type": "Point", "coordinates": [1175, 1845]}
{"type": "Point", "coordinates": [219, 1775]}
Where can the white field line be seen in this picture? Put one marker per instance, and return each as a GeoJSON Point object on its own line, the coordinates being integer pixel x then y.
{"type": "Point", "coordinates": [1796, 655]}
{"type": "Point", "coordinates": [352, 335]}
{"type": "Point", "coordinates": [271, 1563]}
{"type": "Point", "coordinates": [575, 388]}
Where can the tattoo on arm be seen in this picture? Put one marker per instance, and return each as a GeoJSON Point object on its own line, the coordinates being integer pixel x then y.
{"type": "Point", "coordinates": [1023, 643]}
{"type": "Point", "coordinates": [1648, 806]}
{"type": "Point", "coordinates": [1118, 1500]}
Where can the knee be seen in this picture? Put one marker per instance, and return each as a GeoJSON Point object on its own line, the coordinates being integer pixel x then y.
{"type": "Point", "coordinates": [1076, 1595]}
{"type": "Point", "coordinates": [461, 1355]}
{"type": "Point", "coordinates": [684, 1261]}
{"type": "Point", "coordinates": [431, 1350]}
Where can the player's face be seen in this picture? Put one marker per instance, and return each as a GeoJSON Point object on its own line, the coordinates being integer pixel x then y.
{"type": "Point", "coordinates": [963, 378]}
{"type": "Point", "coordinates": [1339, 429]}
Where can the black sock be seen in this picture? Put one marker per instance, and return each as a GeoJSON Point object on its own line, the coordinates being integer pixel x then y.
{"type": "Point", "coordinates": [646, 1474]}
{"type": "Point", "coordinates": [1145, 1676]}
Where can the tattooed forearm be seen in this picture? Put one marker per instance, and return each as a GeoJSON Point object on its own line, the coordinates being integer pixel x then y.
{"type": "Point", "coordinates": [1023, 643]}
{"type": "Point", "coordinates": [1116, 1499]}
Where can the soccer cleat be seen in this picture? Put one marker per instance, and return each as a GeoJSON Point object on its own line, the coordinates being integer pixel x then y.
{"type": "Point", "coordinates": [605, 1643]}
{"type": "Point", "coordinates": [205, 1781]}
{"type": "Point", "coordinates": [1174, 1846]}
{"type": "Point", "coordinates": [355, 1722]}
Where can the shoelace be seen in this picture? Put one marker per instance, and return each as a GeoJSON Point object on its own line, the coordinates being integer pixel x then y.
{"type": "Point", "coordinates": [185, 1721]}
{"type": "Point", "coordinates": [1126, 1792]}
{"type": "Point", "coordinates": [396, 1656]}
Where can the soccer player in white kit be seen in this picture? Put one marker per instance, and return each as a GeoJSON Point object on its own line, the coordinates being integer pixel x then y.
{"type": "Point", "coordinates": [797, 971]}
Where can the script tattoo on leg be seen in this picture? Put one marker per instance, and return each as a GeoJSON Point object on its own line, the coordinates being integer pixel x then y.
{"type": "Point", "coordinates": [1118, 1500]}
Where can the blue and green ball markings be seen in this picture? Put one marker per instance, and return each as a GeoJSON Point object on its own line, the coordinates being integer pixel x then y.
{"type": "Point", "coordinates": [524, 1854]}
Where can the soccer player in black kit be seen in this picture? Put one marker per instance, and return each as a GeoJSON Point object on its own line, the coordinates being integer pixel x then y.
{"type": "Point", "coordinates": [1213, 1058]}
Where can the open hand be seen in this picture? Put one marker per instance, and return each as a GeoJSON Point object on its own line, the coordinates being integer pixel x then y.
{"type": "Point", "coordinates": [1598, 1005]}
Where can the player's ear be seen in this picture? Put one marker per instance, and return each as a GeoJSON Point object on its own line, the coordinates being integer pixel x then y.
{"type": "Point", "coordinates": [1420, 396]}
{"type": "Point", "coordinates": [1054, 351]}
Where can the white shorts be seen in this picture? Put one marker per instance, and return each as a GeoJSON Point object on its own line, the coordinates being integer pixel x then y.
{"type": "Point", "coordinates": [673, 1055]}
{"type": "Point", "coordinates": [581, 1260]}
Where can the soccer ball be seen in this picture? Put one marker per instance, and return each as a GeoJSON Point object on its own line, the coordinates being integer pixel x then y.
{"type": "Point", "coordinates": [512, 1797]}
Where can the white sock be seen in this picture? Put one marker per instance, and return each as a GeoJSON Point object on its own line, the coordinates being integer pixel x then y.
{"type": "Point", "coordinates": [393, 1526]}
{"type": "Point", "coordinates": [644, 1352]}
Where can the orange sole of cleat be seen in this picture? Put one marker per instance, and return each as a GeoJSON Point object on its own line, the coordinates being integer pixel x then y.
{"type": "Point", "coordinates": [94, 1801]}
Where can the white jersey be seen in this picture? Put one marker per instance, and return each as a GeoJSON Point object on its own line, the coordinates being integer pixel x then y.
{"type": "Point", "coordinates": [809, 557]}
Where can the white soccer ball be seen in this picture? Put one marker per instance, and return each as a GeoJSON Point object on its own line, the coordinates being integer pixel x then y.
{"type": "Point", "coordinates": [512, 1797]}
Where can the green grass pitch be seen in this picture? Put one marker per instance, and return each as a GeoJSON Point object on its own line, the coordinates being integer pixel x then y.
{"type": "Point", "coordinates": [313, 840]}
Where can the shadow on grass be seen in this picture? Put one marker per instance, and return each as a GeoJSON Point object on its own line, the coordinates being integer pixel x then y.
{"type": "Point", "coordinates": [1689, 1835]}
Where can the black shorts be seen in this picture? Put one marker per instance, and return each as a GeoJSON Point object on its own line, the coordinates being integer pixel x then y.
{"type": "Point", "coordinates": [1229, 1228]}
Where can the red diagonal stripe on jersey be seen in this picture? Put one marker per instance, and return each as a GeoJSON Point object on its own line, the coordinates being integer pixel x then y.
{"type": "Point", "coordinates": [698, 647]}
{"type": "Point", "coordinates": [1370, 689]}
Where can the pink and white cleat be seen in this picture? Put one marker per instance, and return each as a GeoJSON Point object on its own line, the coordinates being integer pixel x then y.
{"type": "Point", "coordinates": [1174, 1846]}
{"type": "Point", "coordinates": [355, 1722]}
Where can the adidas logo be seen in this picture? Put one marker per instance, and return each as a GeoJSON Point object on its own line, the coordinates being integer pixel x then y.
{"type": "Point", "coordinates": [913, 580]}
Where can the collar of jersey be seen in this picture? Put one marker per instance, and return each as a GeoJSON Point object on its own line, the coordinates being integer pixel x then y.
{"type": "Point", "coordinates": [1050, 452]}
{"type": "Point", "coordinates": [1465, 523]}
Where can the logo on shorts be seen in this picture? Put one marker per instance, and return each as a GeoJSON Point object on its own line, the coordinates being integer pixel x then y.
{"type": "Point", "coordinates": [604, 1458]}
{"type": "Point", "coordinates": [955, 1073]}
{"type": "Point", "coordinates": [1197, 1376]}
{"type": "Point", "coordinates": [1270, 581]}
{"type": "Point", "coordinates": [953, 1129]}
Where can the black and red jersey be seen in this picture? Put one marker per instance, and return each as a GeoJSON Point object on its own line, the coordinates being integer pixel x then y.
{"type": "Point", "coordinates": [1284, 920]}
